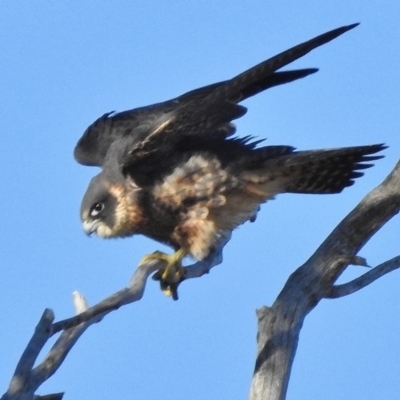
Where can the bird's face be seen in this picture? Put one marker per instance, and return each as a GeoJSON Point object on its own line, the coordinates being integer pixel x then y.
{"type": "Point", "coordinates": [98, 208]}
{"type": "Point", "coordinates": [110, 209]}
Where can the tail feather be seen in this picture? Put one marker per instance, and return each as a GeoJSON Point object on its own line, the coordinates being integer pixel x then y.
{"type": "Point", "coordinates": [286, 171]}
{"type": "Point", "coordinates": [325, 171]}
{"type": "Point", "coordinates": [330, 171]}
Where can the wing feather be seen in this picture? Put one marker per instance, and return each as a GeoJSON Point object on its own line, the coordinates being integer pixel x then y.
{"type": "Point", "coordinates": [218, 108]}
{"type": "Point", "coordinates": [137, 124]}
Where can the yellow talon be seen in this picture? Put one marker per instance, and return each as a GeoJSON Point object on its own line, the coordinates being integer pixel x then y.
{"type": "Point", "coordinates": [172, 274]}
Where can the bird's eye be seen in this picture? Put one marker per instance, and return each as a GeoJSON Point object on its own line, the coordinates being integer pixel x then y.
{"type": "Point", "coordinates": [97, 209]}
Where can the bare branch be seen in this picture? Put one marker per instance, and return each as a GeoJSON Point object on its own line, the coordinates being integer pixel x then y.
{"type": "Point", "coordinates": [353, 286]}
{"type": "Point", "coordinates": [21, 383]}
{"type": "Point", "coordinates": [125, 296]}
{"type": "Point", "coordinates": [377, 208]}
{"type": "Point", "coordinates": [136, 288]}
{"type": "Point", "coordinates": [80, 302]}
{"type": "Point", "coordinates": [36, 343]}
{"type": "Point", "coordinates": [57, 354]}
{"type": "Point", "coordinates": [279, 326]}
{"type": "Point", "coordinates": [27, 379]}
{"type": "Point", "coordinates": [203, 267]}
{"type": "Point", "coordinates": [54, 396]}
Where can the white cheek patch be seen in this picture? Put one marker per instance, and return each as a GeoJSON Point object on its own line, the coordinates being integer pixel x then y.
{"type": "Point", "coordinates": [104, 231]}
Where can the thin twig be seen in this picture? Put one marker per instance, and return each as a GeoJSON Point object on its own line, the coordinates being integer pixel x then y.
{"type": "Point", "coordinates": [136, 288]}
{"type": "Point", "coordinates": [21, 383]}
{"type": "Point", "coordinates": [279, 326]}
{"type": "Point", "coordinates": [366, 279]}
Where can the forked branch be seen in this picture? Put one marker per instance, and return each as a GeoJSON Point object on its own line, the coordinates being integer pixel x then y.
{"type": "Point", "coordinates": [27, 378]}
{"type": "Point", "coordinates": [278, 326]}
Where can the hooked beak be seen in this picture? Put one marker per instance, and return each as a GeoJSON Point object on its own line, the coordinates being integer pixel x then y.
{"type": "Point", "coordinates": [90, 226]}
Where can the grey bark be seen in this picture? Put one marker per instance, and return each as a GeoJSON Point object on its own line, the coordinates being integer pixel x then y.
{"type": "Point", "coordinates": [278, 326]}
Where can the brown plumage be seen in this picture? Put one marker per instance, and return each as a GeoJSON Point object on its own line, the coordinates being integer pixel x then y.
{"type": "Point", "coordinates": [174, 172]}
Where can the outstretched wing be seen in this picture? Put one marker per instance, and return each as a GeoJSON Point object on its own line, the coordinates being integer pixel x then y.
{"type": "Point", "coordinates": [209, 117]}
{"type": "Point", "coordinates": [136, 124]}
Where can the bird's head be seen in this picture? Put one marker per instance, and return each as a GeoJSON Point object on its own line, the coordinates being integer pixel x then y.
{"type": "Point", "coordinates": [109, 209]}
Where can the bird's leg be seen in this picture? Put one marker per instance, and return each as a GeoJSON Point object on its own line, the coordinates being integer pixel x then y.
{"type": "Point", "coordinates": [172, 274]}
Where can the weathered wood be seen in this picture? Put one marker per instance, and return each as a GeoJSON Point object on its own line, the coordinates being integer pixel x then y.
{"type": "Point", "coordinates": [279, 325]}
{"type": "Point", "coordinates": [27, 379]}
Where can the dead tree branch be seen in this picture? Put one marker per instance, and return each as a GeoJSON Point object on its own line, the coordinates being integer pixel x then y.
{"type": "Point", "coordinates": [353, 286]}
{"type": "Point", "coordinates": [279, 325]}
{"type": "Point", "coordinates": [27, 378]}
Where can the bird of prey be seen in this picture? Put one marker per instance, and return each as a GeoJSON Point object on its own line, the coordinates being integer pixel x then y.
{"type": "Point", "coordinates": [175, 172]}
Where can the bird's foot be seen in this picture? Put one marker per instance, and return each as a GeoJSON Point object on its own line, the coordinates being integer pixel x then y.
{"type": "Point", "coordinates": [172, 274]}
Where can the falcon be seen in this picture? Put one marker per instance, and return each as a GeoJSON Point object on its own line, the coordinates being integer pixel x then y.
{"type": "Point", "coordinates": [175, 171]}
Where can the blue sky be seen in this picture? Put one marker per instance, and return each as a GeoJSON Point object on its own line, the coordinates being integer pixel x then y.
{"type": "Point", "coordinates": [63, 65]}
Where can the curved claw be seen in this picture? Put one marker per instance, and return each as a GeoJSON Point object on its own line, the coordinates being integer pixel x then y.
{"type": "Point", "coordinates": [172, 274]}
{"type": "Point", "coordinates": [169, 285]}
